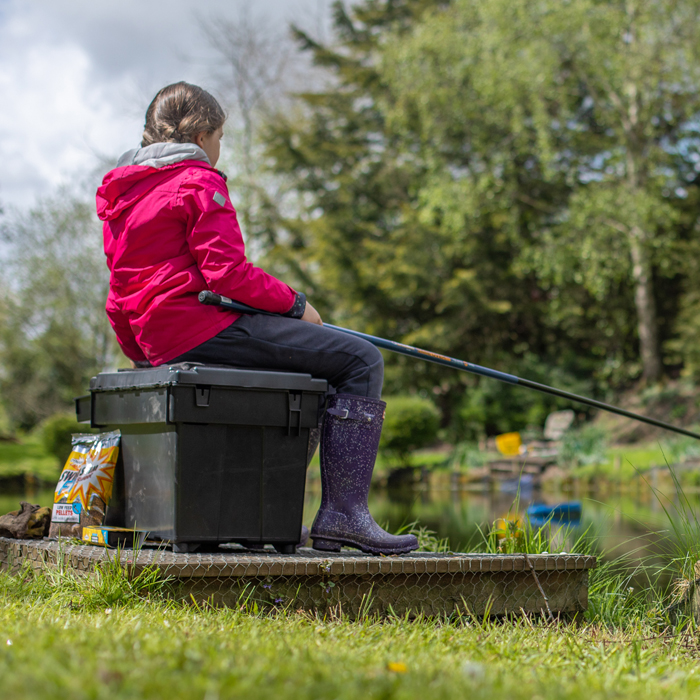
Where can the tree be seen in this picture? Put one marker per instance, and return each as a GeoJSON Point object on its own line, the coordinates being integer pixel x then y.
{"type": "Point", "coordinates": [407, 230]}
{"type": "Point", "coordinates": [54, 333]}
{"type": "Point", "coordinates": [636, 66]}
{"type": "Point", "coordinates": [257, 68]}
{"type": "Point", "coordinates": [599, 97]}
{"type": "Point", "coordinates": [510, 182]}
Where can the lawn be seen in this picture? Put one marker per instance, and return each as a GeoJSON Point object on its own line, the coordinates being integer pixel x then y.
{"type": "Point", "coordinates": [108, 637]}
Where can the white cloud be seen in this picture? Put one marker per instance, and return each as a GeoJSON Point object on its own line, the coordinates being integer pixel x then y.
{"type": "Point", "coordinates": [55, 119]}
{"type": "Point", "coordinates": [77, 75]}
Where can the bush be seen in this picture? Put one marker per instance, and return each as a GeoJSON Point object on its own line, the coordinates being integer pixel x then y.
{"type": "Point", "coordinates": [584, 446]}
{"type": "Point", "coordinates": [488, 407]}
{"type": "Point", "coordinates": [56, 434]}
{"type": "Point", "coordinates": [411, 423]}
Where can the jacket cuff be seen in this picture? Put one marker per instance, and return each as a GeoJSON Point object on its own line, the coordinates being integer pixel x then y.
{"type": "Point", "coordinates": [298, 307]}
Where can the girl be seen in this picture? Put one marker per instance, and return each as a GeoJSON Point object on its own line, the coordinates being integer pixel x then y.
{"type": "Point", "coordinates": [170, 231]}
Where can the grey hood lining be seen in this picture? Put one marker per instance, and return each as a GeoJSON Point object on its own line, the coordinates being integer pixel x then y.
{"type": "Point", "coordinates": [158, 155]}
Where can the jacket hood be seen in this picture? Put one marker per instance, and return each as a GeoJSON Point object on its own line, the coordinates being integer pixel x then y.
{"type": "Point", "coordinates": [159, 154]}
{"type": "Point", "coordinates": [130, 181]}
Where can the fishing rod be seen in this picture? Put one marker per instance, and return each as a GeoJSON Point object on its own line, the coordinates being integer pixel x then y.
{"type": "Point", "coordinates": [213, 299]}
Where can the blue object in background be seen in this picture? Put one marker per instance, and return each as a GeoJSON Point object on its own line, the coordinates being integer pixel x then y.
{"type": "Point", "coordinates": [541, 513]}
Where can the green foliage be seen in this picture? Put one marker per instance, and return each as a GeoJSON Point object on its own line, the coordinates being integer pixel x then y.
{"type": "Point", "coordinates": [56, 432]}
{"type": "Point", "coordinates": [54, 333]}
{"type": "Point", "coordinates": [153, 648]}
{"type": "Point", "coordinates": [368, 247]}
{"type": "Point", "coordinates": [428, 541]}
{"type": "Point", "coordinates": [4, 422]}
{"type": "Point", "coordinates": [614, 602]}
{"type": "Point", "coordinates": [684, 526]}
{"type": "Point", "coordinates": [467, 454]}
{"type": "Point", "coordinates": [114, 584]}
{"type": "Point", "coordinates": [580, 138]}
{"type": "Point", "coordinates": [513, 533]}
{"type": "Point", "coordinates": [684, 348]}
{"type": "Point", "coordinates": [411, 423]}
{"type": "Point", "coordinates": [584, 446]}
{"type": "Point", "coordinates": [491, 182]}
{"type": "Point", "coordinates": [510, 535]}
{"type": "Point", "coordinates": [680, 449]}
{"type": "Point", "coordinates": [491, 408]}
{"type": "Point", "coordinates": [26, 457]}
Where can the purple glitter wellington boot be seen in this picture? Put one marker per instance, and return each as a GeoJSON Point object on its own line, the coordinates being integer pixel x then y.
{"type": "Point", "coordinates": [349, 443]}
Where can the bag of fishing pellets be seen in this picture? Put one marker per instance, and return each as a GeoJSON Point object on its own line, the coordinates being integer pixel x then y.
{"type": "Point", "coordinates": [85, 486]}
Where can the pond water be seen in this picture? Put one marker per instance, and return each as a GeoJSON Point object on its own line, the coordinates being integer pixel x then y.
{"type": "Point", "coordinates": [634, 525]}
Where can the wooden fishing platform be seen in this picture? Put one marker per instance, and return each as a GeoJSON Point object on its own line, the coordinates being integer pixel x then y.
{"type": "Point", "coordinates": [432, 584]}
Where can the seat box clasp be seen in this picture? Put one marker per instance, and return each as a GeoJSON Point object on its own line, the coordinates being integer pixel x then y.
{"type": "Point", "coordinates": [201, 395]}
{"type": "Point", "coordinates": [294, 407]}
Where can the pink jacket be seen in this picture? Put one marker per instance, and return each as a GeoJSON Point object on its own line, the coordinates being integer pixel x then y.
{"type": "Point", "coordinates": [170, 231]}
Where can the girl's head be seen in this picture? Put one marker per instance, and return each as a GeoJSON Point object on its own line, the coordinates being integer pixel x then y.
{"type": "Point", "coordinates": [184, 113]}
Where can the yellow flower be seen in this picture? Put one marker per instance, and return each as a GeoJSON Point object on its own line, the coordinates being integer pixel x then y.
{"type": "Point", "coordinates": [397, 667]}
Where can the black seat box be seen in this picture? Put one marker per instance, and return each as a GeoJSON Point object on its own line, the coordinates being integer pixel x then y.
{"type": "Point", "coordinates": [208, 454]}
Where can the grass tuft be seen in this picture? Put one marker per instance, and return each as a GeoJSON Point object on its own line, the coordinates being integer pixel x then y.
{"type": "Point", "coordinates": [113, 584]}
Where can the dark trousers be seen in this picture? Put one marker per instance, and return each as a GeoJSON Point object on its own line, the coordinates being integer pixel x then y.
{"type": "Point", "coordinates": [350, 365]}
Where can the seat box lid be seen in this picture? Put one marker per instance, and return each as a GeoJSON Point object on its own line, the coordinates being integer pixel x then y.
{"type": "Point", "coordinates": [210, 375]}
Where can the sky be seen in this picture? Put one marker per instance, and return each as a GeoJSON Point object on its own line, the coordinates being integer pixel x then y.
{"type": "Point", "coordinates": [76, 76]}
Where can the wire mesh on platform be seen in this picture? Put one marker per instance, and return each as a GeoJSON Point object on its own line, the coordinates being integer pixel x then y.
{"type": "Point", "coordinates": [427, 583]}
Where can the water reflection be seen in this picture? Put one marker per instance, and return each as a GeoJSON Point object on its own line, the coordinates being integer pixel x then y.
{"type": "Point", "coordinates": [9, 499]}
{"type": "Point", "coordinates": [633, 526]}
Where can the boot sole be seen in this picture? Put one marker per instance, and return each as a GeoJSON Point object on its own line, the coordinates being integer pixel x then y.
{"type": "Point", "coordinates": [326, 544]}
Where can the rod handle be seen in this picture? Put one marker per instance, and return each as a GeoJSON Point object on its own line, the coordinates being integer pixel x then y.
{"type": "Point", "coordinates": [209, 298]}
{"type": "Point", "coordinates": [213, 299]}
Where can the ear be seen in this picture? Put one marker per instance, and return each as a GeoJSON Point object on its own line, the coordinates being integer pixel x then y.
{"type": "Point", "coordinates": [199, 139]}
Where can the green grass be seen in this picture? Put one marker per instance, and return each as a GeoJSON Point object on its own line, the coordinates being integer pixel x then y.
{"type": "Point", "coordinates": [107, 636]}
{"type": "Point", "coordinates": [625, 462]}
{"type": "Point", "coordinates": [104, 637]}
{"type": "Point", "coordinates": [115, 636]}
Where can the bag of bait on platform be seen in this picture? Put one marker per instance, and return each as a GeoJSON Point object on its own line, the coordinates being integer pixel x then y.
{"type": "Point", "coordinates": [85, 486]}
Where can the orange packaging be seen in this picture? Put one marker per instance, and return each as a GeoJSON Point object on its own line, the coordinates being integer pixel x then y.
{"type": "Point", "coordinates": [85, 486]}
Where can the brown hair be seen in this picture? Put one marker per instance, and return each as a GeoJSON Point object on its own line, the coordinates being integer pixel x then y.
{"type": "Point", "coordinates": [179, 112]}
